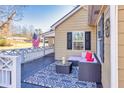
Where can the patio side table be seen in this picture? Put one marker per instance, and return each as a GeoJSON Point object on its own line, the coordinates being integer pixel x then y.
{"type": "Point", "coordinates": [63, 68]}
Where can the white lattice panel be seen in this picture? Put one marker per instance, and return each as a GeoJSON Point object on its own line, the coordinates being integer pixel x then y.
{"type": "Point", "coordinates": [8, 69]}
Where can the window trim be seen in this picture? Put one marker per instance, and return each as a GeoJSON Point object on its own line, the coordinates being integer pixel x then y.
{"type": "Point", "coordinates": [100, 38]}
{"type": "Point", "coordinates": [73, 39]}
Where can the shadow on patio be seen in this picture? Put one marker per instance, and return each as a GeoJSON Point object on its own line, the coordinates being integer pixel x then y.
{"type": "Point", "coordinates": [30, 68]}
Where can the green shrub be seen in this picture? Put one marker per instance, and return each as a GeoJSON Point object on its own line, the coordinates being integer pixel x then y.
{"type": "Point", "coordinates": [1, 37]}
{"type": "Point", "coordinates": [4, 42]}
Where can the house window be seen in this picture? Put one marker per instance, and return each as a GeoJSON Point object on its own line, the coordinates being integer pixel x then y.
{"type": "Point", "coordinates": [78, 41]}
{"type": "Point", "coordinates": [100, 39]}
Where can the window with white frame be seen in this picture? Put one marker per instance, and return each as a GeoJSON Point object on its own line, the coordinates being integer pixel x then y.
{"type": "Point", "coordinates": [78, 40]}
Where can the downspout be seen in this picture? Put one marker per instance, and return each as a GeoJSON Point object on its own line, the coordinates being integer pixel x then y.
{"type": "Point", "coordinates": [114, 45]}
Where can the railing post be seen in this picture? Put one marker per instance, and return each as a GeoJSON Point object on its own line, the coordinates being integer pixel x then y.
{"type": "Point", "coordinates": [16, 72]}
{"type": "Point", "coordinates": [114, 46]}
{"type": "Point", "coordinates": [10, 75]}
{"type": "Point", "coordinates": [22, 56]}
{"type": "Point", "coordinates": [44, 46]}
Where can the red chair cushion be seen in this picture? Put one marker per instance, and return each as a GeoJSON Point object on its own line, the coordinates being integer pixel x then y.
{"type": "Point", "coordinates": [88, 55]}
{"type": "Point", "coordinates": [90, 60]}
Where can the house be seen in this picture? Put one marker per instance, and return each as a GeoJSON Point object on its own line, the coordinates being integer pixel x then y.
{"type": "Point", "coordinates": [91, 28]}
{"type": "Point", "coordinates": [96, 28]}
{"type": "Point", "coordinates": [109, 23]}
{"type": "Point", "coordinates": [4, 29]}
{"type": "Point", "coordinates": [19, 39]}
{"type": "Point", "coordinates": [48, 37]}
{"type": "Point", "coordinates": [99, 16]}
{"type": "Point", "coordinates": [120, 46]}
{"type": "Point", "coordinates": [69, 28]}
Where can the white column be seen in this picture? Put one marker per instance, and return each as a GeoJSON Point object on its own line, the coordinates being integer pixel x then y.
{"type": "Point", "coordinates": [114, 45]}
{"type": "Point", "coordinates": [16, 72]}
{"type": "Point", "coordinates": [43, 45]}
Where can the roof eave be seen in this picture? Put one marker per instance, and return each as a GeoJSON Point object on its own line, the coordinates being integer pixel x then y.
{"type": "Point", "coordinates": [65, 17]}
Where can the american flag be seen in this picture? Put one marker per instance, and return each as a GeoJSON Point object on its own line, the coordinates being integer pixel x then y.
{"type": "Point", "coordinates": [35, 40]}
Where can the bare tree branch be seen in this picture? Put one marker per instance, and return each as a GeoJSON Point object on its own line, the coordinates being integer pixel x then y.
{"type": "Point", "coordinates": [10, 13]}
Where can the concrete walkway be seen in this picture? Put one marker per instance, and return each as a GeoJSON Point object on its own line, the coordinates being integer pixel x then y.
{"type": "Point", "coordinates": [32, 67]}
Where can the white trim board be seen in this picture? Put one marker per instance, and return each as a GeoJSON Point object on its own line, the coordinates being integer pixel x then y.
{"type": "Point", "coordinates": [48, 34]}
{"type": "Point", "coordinates": [114, 45]}
{"type": "Point", "coordinates": [65, 17]}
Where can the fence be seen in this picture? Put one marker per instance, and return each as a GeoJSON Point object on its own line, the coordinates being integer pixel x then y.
{"type": "Point", "coordinates": [10, 64]}
{"type": "Point", "coordinates": [10, 71]}
{"type": "Point", "coordinates": [28, 54]}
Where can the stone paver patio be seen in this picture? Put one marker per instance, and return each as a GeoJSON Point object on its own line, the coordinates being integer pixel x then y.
{"type": "Point", "coordinates": [32, 68]}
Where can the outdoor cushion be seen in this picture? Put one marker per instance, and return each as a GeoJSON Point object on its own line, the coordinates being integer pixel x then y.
{"type": "Point", "coordinates": [80, 59]}
{"type": "Point", "coordinates": [84, 60]}
{"type": "Point", "coordinates": [74, 58]}
{"type": "Point", "coordinates": [90, 60]}
{"type": "Point", "coordinates": [83, 54]}
{"type": "Point", "coordinates": [88, 55]}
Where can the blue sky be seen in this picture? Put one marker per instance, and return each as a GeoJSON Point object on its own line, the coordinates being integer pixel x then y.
{"type": "Point", "coordinates": [43, 16]}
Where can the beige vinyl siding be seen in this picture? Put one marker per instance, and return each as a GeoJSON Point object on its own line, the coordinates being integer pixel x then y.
{"type": "Point", "coordinates": [50, 41]}
{"type": "Point", "coordinates": [106, 65]}
{"type": "Point", "coordinates": [77, 22]}
{"type": "Point", "coordinates": [121, 46]}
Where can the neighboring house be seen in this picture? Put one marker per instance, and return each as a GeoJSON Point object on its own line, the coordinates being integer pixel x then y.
{"type": "Point", "coordinates": [48, 37]}
{"type": "Point", "coordinates": [4, 29]}
{"type": "Point", "coordinates": [19, 39]}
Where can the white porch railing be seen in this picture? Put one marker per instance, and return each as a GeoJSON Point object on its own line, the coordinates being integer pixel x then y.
{"type": "Point", "coordinates": [28, 54]}
{"type": "Point", "coordinates": [10, 71]}
{"type": "Point", "coordinates": [10, 63]}
{"type": "Point", "coordinates": [32, 54]}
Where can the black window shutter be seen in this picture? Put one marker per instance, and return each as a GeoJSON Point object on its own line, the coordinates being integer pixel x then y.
{"type": "Point", "coordinates": [87, 40]}
{"type": "Point", "coordinates": [69, 40]}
